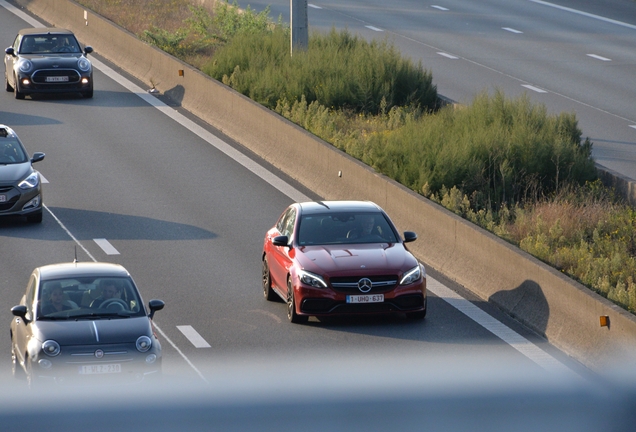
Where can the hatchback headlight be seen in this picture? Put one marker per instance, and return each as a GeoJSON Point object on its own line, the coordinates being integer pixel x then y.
{"type": "Point", "coordinates": [51, 348]}
{"type": "Point", "coordinates": [83, 64]}
{"type": "Point", "coordinates": [30, 182]}
{"type": "Point", "coordinates": [413, 275]}
{"type": "Point", "coordinates": [311, 279]}
{"type": "Point", "coordinates": [25, 65]}
{"type": "Point", "coordinates": [143, 343]}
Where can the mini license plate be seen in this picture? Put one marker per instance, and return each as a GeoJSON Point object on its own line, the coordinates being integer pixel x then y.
{"type": "Point", "coordinates": [366, 298]}
{"type": "Point", "coordinates": [100, 369]}
{"type": "Point", "coordinates": [57, 79]}
{"type": "Point", "coordinates": [3, 198]}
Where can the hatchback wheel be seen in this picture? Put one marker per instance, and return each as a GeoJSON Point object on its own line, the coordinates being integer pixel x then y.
{"type": "Point", "coordinates": [291, 306]}
{"type": "Point", "coordinates": [35, 217]}
{"type": "Point", "coordinates": [17, 93]}
{"type": "Point", "coordinates": [7, 86]}
{"type": "Point", "coordinates": [16, 369]}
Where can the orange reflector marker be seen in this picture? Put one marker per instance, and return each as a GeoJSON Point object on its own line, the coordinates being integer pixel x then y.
{"type": "Point", "coordinates": [180, 72]}
{"type": "Point", "coordinates": [604, 321]}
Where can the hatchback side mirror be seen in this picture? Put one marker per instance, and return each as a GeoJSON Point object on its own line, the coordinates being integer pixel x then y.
{"type": "Point", "coordinates": [10, 51]}
{"type": "Point", "coordinates": [19, 311]}
{"type": "Point", "coordinates": [37, 157]}
{"type": "Point", "coordinates": [154, 306]}
{"type": "Point", "coordinates": [88, 50]}
{"type": "Point", "coordinates": [409, 236]}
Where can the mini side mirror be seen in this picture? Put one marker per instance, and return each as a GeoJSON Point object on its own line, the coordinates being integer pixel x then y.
{"type": "Point", "coordinates": [88, 50]}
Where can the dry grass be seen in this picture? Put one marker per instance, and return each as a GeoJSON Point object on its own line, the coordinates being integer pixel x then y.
{"type": "Point", "coordinates": [139, 15]}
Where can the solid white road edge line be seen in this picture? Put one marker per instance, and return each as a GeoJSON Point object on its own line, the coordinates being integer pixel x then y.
{"type": "Point", "coordinates": [512, 338]}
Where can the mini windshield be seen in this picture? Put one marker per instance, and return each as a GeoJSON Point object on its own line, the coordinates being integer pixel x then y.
{"type": "Point", "coordinates": [345, 228]}
{"type": "Point", "coordinates": [88, 298]}
{"type": "Point", "coordinates": [49, 44]}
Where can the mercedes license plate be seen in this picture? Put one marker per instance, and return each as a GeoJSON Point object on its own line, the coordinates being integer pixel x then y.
{"type": "Point", "coordinates": [56, 79]}
{"type": "Point", "coordinates": [366, 298]}
{"type": "Point", "coordinates": [100, 369]}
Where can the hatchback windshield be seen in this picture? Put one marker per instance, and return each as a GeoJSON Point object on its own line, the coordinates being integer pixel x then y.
{"type": "Point", "coordinates": [48, 44]}
{"type": "Point", "coordinates": [11, 152]}
{"type": "Point", "coordinates": [73, 298]}
{"type": "Point", "coordinates": [345, 228]}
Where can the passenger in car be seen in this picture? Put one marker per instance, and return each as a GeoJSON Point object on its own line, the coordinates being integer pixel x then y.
{"type": "Point", "coordinates": [55, 301]}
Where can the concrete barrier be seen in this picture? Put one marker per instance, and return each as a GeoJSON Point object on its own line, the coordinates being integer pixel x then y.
{"type": "Point", "coordinates": [555, 306]}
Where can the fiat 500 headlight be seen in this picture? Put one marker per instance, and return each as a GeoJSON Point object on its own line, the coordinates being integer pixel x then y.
{"type": "Point", "coordinates": [51, 348]}
{"type": "Point", "coordinates": [143, 343]}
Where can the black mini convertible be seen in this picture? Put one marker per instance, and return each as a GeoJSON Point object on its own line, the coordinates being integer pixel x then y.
{"type": "Point", "coordinates": [47, 60]}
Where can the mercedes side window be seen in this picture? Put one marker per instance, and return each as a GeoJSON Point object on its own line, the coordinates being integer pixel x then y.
{"type": "Point", "coordinates": [288, 230]}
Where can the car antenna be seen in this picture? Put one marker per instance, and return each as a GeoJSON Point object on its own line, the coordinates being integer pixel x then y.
{"type": "Point", "coordinates": [75, 260]}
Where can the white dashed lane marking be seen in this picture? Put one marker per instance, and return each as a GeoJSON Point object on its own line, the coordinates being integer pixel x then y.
{"type": "Point", "coordinates": [598, 57]}
{"type": "Point", "coordinates": [533, 88]}
{"type": "Point", "coordinates": [106, 246]}
{"type": "Point", "coordinates": [193, 336]}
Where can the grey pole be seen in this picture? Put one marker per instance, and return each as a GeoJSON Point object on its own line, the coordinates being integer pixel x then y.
{"type": "Point", "coordinates": [299, 26]}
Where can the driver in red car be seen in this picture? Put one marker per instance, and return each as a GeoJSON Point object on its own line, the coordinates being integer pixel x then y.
{"type": "Point", "coordinates": [366, 228]}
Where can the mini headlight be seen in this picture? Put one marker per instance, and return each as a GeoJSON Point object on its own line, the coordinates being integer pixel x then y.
{"type": "Point", "coordinates": [413, 275]}
{"type": "Point", "coordinates": [30, 182]}
{"type": "Point", "coordinates": [311, 279]}
{"type": "Point", "coordinates": [51, 348]}
{"type": "Point", "coordinates": [25, 65]}
{"type": "Point", "coordinates": [84, 64]}
{"type": "Point", "coordinates": [143, 343]}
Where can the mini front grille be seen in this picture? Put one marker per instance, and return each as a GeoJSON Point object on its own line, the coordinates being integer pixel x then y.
{"type": "Point", "coordinates": [40, 76]}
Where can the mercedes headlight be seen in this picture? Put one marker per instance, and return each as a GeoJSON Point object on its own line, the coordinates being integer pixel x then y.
{"type": "Point", "coordinates": [311, 279]}
{"type": "Point", "coordinates": [413, 275]}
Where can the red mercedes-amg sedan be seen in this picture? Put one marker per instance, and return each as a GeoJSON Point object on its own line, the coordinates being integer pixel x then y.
{"type": "Point", "coordinates": [341, 257]}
